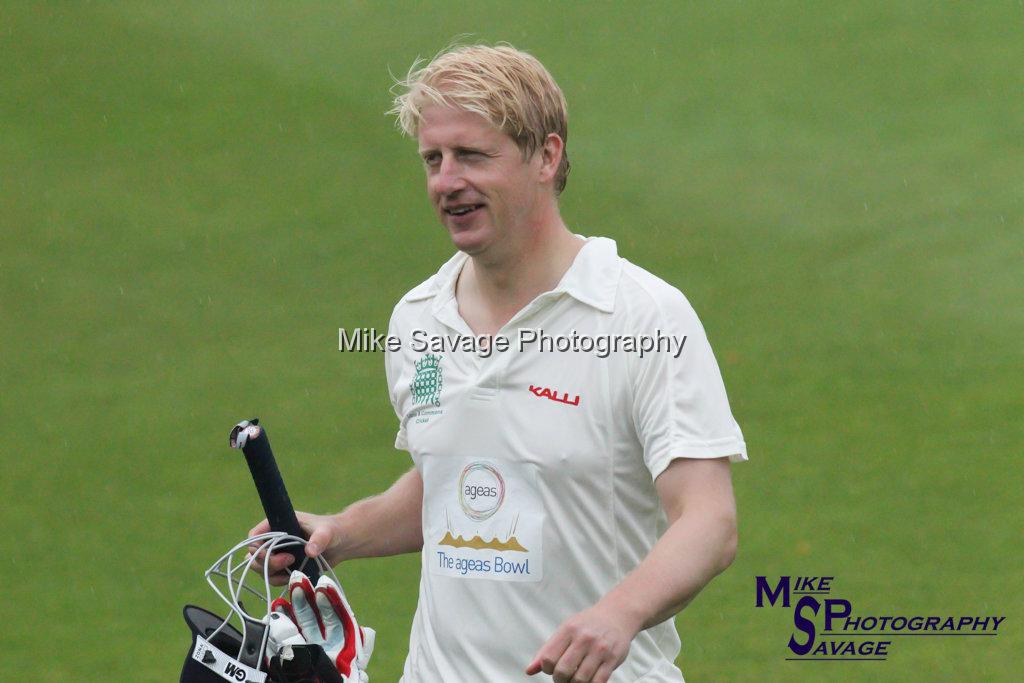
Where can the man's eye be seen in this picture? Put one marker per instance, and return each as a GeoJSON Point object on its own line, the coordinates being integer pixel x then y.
{"type": "Point", "coordinates": [431, 159]}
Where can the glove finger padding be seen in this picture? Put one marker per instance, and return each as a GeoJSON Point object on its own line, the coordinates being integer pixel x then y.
{"type": "Point", "coordinates": [340, 640]}
{"type": "Point", "coordinates": [368, 638]}
{"type": "Point", "coordinates": [304, 611]}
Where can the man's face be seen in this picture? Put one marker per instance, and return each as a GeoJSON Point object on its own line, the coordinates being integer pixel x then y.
{"type": "Point", "coordinates": [480, 186]}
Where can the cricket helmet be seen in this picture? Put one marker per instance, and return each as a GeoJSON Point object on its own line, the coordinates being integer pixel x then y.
{"type": "Point", "coordinates": [242, 646]}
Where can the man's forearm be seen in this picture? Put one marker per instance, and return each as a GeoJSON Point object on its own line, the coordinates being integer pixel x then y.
{"type": "Point", "coordinates": [699, 545]}
{"type": "Point", "coordinates": [385, 524]}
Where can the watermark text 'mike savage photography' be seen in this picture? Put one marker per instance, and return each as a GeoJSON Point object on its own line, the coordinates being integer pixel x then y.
{"type": "Point", "coordinates": [369, 340]}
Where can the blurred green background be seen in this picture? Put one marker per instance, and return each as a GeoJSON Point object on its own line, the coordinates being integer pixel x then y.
{"type": "Point", "coordinates": [195, 196]}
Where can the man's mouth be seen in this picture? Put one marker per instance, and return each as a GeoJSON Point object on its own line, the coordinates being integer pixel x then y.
{"type": "Point", "coordinates": [462, 209]}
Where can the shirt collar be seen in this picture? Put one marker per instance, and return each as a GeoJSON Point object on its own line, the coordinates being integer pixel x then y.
{"type": "Point", "coordinates": [593, 277]}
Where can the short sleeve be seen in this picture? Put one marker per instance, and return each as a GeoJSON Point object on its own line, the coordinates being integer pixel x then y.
{"type": "Point", "coordinates": [393, 372]}
{"type": "Point", "coordinates": [680, 407]}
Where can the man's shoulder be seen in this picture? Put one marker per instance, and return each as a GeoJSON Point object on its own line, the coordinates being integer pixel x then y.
{"type": "Point", "coordinates": [421, 292]}
{"type": "Point", "coordinates": [644, 294]}
{"type": "Point", "coordinates": [414, 301]}
{"type": "Point", "coordinates": [424, 293]}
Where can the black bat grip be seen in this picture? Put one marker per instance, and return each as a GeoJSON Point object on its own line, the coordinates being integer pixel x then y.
{"type": "Point", "coordinates": [274, 496]}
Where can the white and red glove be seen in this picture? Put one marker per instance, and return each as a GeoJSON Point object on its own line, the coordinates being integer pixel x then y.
{"type": "Point", "coordinates": [321, 616]}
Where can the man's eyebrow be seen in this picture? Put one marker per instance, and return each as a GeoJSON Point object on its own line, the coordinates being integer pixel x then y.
{"type": "Point", "coordinates": [460, 148]}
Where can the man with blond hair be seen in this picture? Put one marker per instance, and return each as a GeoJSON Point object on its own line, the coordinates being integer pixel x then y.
{"type": "Point", "coordinates": [568, 498]}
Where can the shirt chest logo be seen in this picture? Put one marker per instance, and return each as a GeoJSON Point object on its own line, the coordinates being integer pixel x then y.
{"type": "Point", "coordinates": [427, 382]}
{"type": "Point", "coordinates": [552, 395]}
{"type": "Point", "coordinates": [481, 492]}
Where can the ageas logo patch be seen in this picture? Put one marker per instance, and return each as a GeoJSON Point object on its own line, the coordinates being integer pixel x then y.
{"type": "Point", "coordinates": [481, 490]}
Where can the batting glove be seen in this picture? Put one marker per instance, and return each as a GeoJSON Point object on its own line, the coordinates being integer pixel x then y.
{"type": "Point", "coordinates": [324, 618]}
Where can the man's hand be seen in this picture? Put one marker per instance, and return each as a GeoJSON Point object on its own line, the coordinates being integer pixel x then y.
{"type": "Point", "coordinates": [587, 647]}
{"type": "Point", "coordinates": [323, 534]}
{"type": "Point", "coordinates": [378, 526]}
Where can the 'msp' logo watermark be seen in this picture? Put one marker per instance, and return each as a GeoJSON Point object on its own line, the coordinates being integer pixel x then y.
{"type": "Point", "coordinates": [846, 636]}
{"type": "Point", "coordinates": [807, 586]}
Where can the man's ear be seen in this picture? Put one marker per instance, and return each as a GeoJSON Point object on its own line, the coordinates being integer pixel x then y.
{"type": "Point", "coordinates": [551, 156]}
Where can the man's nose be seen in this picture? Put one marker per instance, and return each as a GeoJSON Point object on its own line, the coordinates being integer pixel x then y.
{"type": "Point", "coordinates": [449, 178]}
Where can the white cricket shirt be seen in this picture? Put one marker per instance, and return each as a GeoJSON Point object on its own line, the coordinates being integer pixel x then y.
{"type": "Point", "coordinates": [538, 465]}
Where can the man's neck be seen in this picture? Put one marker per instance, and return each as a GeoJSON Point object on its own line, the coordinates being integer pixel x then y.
{"type": "Point", "coordinates": [492, 290]}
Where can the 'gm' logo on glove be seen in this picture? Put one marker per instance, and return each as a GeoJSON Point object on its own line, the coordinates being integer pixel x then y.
{"type": "Point", "coordinates": [235, 672]}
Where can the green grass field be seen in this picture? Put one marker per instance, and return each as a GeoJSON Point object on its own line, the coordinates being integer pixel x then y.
{"type": "Point", "coordinates": [195, 197]}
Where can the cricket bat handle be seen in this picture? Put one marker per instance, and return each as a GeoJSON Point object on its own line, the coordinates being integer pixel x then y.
{"type": "Point", "coordinates": [255, 444]}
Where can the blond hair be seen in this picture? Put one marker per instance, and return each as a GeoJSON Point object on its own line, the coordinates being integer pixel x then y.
{"type": "Point", "coordinates": [508, 87]}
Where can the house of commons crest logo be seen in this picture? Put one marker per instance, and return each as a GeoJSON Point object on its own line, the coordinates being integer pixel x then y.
{"type": "Point", "coordinates": [426, 383]}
